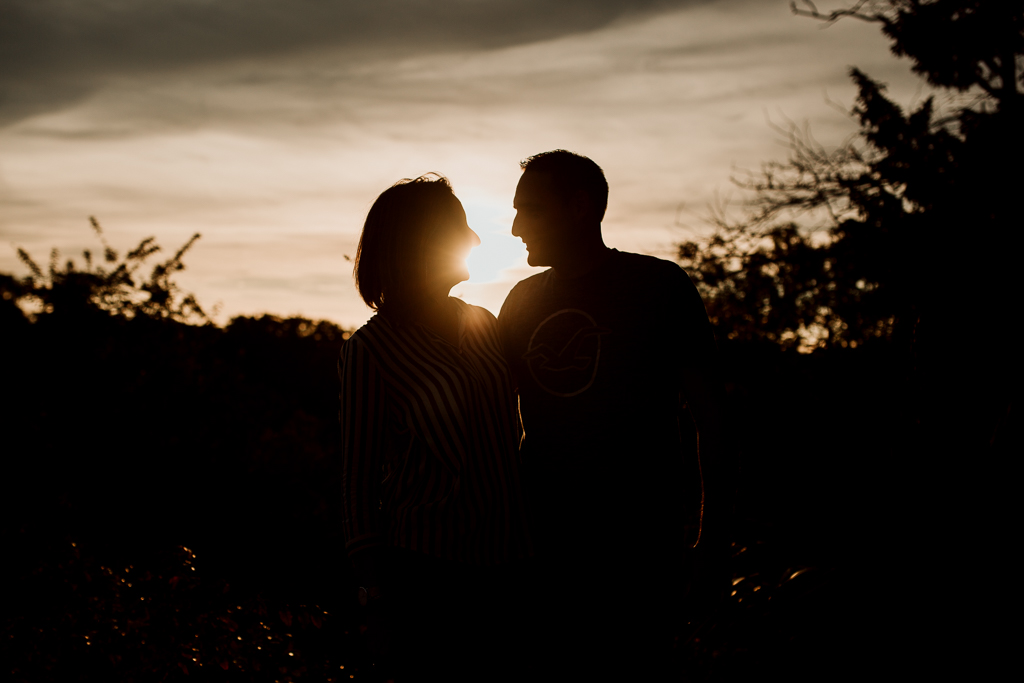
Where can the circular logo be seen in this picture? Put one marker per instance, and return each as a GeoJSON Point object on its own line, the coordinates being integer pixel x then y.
{"type": "Point", "coordinates": [564, 352]}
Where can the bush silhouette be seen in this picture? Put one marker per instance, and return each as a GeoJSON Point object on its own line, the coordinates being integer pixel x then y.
{"type": "Point", "coordinates": [141, 427]}
{"type": "Point", "coordinates": [199, 464]}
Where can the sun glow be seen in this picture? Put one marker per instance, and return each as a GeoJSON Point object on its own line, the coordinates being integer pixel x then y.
{"type": "Point", "coordinates": [500, 261]}
{"type": "Point", "coordinates": [499, 250]}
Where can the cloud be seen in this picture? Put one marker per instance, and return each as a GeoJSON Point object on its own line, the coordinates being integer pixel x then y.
{"type": "Point", "coordinates": [55, 52]}
{"type": "Point", "coordinates": [274, 150]}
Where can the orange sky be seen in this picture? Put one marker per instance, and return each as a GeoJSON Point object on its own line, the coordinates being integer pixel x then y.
{"type": "Point", "coordinates": [275, 155]}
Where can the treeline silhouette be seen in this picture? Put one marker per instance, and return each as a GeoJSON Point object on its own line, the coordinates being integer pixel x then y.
{"type": "Point", "coordinates": [896, 255]}
{"type": "Point", "coordinates": [913, 238]}
{"type": "Point", "coordinates": [175, 490]}
{"type": "Point", "coordinates": [141, 433]}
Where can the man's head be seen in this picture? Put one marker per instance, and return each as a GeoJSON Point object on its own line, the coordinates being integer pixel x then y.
{"type": "Point", "coordinates": [560, 202]}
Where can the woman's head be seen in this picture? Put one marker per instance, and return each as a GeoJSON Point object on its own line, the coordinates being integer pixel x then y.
{"type": "Point", "coordinates": [415, 240]}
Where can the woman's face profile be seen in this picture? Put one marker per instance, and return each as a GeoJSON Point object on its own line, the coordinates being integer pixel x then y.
{"type": "Point", "coordinates": [447, 246]}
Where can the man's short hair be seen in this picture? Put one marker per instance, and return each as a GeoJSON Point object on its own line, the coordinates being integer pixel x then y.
{"type": "Point", "coordinates": [389, 258]}
{"type": "Point", "coordinates": [571, 172]}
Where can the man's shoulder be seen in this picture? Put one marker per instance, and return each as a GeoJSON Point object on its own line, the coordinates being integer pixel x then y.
{"type": "Point", "coordinates": [653, 278]}
{"type": "Point", "coordinates": [525, 288]}
{"type": "Point", "coordinates": [651, 265]}
{"type": "Point", "coordinates": [534, 281]}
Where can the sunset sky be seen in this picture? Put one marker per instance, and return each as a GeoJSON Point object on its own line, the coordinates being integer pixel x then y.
{"type": "Point", "coordinates": [270, 127]}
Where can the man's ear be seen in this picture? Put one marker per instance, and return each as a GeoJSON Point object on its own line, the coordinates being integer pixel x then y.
{"type": "Point", "coordinates": [581, 205]}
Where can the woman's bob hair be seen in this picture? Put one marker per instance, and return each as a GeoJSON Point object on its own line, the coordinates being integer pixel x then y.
{"type": "Point", "coordinates": [388, 264]}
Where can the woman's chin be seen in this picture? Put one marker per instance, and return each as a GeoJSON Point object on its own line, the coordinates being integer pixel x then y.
{"type": "Point", "coordinates": [456, 278]}
{"type": "Point", "coordinates": [460, 275]}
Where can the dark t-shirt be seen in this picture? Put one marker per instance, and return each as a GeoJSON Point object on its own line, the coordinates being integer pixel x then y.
{"type": "Point", "coordinates": [597, 360]}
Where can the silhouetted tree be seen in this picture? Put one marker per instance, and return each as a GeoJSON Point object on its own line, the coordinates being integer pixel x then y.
{"type": "Point", "coordinates": [919, 209]}
{"type": "Point", "coordinates": [188, 423]}
{"type": "Point", "coordinates": [911, 247]}
{"type": "Point", "coordinates": [115, 288]}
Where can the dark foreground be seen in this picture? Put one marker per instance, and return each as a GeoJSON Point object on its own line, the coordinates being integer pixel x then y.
{"type": "Point", "coordinates": [171, 501]}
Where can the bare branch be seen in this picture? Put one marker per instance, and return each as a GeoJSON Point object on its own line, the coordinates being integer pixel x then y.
{"type": "Point", "coordinates": [145, 249]}
{"type": "Point", "coordinates": [836, 15]}
{"type": "Point", "coordinates": [184, 248]}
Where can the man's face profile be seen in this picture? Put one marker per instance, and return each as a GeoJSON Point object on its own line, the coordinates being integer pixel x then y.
{"type": "Point", "coordinates": [543, 221]}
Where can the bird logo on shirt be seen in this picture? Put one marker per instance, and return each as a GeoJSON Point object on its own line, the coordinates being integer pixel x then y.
{"type": "Point", "coordinates": [564, 352]}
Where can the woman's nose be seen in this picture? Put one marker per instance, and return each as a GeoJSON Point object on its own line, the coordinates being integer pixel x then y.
{"type": "Point", "coordinates": [476, 237]}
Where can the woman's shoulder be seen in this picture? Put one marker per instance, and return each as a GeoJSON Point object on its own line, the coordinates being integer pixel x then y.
{"type": "Point", "coordinates": [477, 315]}
{"type": "Point", "coordinates": [386, 340]}
{"type": "Point", "coordinates": [366, 337]}
{"type": "Point", "coordinates": [362, 334]}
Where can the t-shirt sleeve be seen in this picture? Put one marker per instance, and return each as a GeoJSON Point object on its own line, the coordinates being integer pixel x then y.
{"type": "Point", "coordinates": [362, 415]}
{"type": "Point", "coordinates": [696, 336]}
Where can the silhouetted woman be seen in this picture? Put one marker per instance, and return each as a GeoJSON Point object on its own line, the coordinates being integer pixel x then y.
{"type": "Point", "coordinates": [433, 509]}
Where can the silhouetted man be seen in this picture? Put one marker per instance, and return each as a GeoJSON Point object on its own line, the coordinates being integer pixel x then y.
{"type": "Point", "coordinates": [607, 347]}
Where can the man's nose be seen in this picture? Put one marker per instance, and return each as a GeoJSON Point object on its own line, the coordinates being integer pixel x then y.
{"type": "Point", "coordinates": [515, 227]}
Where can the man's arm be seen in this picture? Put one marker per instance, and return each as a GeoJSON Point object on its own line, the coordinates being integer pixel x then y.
{"type": "Point", "coordinates": [702, 393]}
{"type": "Point", "coordinates": [710, 575]}
{"type": "Point", "coordinates": [506, 326]}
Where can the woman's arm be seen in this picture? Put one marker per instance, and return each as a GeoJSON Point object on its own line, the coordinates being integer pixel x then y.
{"type": "Point", "coordinates": [362, 437]}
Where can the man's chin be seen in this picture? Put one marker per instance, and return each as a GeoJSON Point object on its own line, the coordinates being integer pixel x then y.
{"type": "Point", "coordinates": [536, 260]}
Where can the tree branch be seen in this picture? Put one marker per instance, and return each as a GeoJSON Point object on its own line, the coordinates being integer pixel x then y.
{"type": "Point", "coordinates": [836, 15]}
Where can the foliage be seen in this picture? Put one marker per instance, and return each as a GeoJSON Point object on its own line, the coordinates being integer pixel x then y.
{"type": "Point", "coordinates": [77, 617]}
{"type": "Point", "coordinates": [177, 491]}
{"type": "Point", "coordinates": [955, 44]}
{"type": "Point", "coordinates": [115, 288]}
{"type": "Point", "coordinates": [188, 422]}
{"type": "Point", "coordinates": [80, 619]}
{"type": "Point", "coordinates": [137, 427]}
{"type": "Point", "coordinates": [898, 200]}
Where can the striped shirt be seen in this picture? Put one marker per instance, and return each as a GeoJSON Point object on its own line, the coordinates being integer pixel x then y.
{"type": "Point", "coordinates": [430, 435]}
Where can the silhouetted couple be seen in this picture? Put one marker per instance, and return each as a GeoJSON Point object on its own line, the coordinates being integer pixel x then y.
{"type": "Point", "coordinates": [514, 487]}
